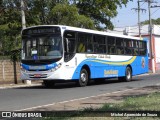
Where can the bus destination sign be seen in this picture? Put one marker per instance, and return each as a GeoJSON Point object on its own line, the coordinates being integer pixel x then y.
{"type": "Point", "coordinates": [41, 30]}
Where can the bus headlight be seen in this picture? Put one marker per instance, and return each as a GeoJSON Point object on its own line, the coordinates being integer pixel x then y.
{"type": "Point", "coordinates": [57, 67]}
{"type": "Point", "coordinates": [22, 69]}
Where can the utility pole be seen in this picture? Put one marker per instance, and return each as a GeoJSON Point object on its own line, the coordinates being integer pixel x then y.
{"type": "Point", "coordinates": [139, 9]}
{"type": "Point", "coordinates": [14, 52]}
{"type": "Point", "coordinates": [152, 57]}
{"type": "Point", "coordinates": [150, 41]}
{"type": "Point", "coordinates": [24, 26]}
{"type": "Point", "coordinates": [23, 15]}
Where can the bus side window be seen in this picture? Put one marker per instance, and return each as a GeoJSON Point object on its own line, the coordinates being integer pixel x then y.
{"type": "Point", "coordinates": [111, 45]}
{"type": "Point", "coordinates": [128, 47]}
{"type": "Point", "coordinates": [89, 48]}
{"type": "Point", "coordinates": [119, 46]}
{"type": "Point", "coordinates": [84, 43]}
{"type": "Point", "coordinates": [111, 49]}
{"type": "Point", "coordinates": [135, 47]}
{"type": "Point", "coordinates": [142, 48]}
{"type": "Point", "coordinates": [81, 47]}
{"type": "Point", "coordinates": [99, 44]}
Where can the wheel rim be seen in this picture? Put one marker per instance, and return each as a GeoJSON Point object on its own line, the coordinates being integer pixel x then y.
{"type": "Point", "coordinates": [128, 74]}
{"type": "Point", "coordinates": [83, 77]}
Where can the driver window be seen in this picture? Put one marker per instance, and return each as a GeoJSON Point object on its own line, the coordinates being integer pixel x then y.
{"type": "Point", "coordinates": [69, 41]}
{"type": "Point", "coordinates": [69, 45]}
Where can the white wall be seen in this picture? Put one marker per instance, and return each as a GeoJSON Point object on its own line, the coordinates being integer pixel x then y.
{"type": "Point", "coordinates": [134, 30]}
{"type": "Point", "coordinates": [156, 29]}
{"type": "Point", "coordinates": [157, 49]}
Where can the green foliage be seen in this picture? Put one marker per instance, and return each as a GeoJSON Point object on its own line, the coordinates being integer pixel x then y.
{"type": "Point", "coordinates": [155, 22]}
{"type": "Point", "coordinates": [101, 11]}
{"type": "Point", "coordinates": [137, 103]}
{"type": "Point", "coordinates": [66, 14]}
{"type": "Point", "coordinates": [10, 27]}
{"type": "Point", "coordinates": [89, 14]}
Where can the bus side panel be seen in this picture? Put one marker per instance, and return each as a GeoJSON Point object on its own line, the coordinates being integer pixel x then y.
{"type": "Point", "coordinates": [99, 69]}
{"type": "Point", "coordinates": [104, 69]}
{"type": "Point", "coordinates": [140, 65]}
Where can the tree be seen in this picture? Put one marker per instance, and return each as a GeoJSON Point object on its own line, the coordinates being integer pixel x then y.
{"type": "Point", "coordinates": [80, 13]}
{"type": "Point", "coordinates": [101, 11]}
{"type": "Point", "coordinates": [154, 21]}
{"type": "Point", "coordinates": [66, 14]}
{"type": "Point", "coordinates": [10, 26]}
{"type": "Point", "coordinates": [55, 12]}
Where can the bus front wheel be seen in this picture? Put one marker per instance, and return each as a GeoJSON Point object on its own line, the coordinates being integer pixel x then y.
{"type": "Point", "coordinates": [83, 79]}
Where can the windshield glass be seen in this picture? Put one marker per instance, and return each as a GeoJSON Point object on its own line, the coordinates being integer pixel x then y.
{"type": "Point", "coordinates": [42, 47]}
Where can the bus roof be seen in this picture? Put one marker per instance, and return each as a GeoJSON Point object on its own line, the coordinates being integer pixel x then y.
{"type": "Point", "coordinates": [86, 30]}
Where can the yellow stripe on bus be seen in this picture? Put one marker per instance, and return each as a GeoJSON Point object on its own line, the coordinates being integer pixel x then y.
{"type": "Point", "coordinates": [117, 63]}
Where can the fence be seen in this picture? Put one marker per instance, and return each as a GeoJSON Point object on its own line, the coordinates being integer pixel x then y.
{"type": "Point", "coordinates": [7, 72]}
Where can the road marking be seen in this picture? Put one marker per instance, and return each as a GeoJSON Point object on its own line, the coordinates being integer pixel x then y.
{"type": "Point", "coordinates": [74, 100]}
{"type": "Point", "coordinates": [158, 84]}
{"type": "Point", "coordinates": [36, 107]}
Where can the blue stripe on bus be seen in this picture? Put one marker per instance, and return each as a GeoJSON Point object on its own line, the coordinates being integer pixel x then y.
{"type": "Point", "coordinates": [39, 67]}
{"type": "Point", "coordinates": [104, 69]}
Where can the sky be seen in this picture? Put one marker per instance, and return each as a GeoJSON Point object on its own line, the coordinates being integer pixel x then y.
{"type": "Point", "coordinates": [129, 17]}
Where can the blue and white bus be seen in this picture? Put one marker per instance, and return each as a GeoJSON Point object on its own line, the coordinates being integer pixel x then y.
{"type": "Point", "coordinates": [57, 53]}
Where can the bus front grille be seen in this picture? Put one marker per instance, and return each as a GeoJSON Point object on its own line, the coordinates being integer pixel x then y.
{"type": "Point", "coordinates": [38, 75]}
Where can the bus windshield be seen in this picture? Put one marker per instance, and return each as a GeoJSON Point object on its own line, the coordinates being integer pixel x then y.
{"type": "Point", "coordinates": [42, 47]}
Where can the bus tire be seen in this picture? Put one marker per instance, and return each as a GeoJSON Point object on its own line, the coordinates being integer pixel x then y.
{"type": "Point", "coordinates": [128, 75]}
{"type": "Point", "coordinates": [48, 83]}
{"type": "Point", "coordinates": [83, 79]}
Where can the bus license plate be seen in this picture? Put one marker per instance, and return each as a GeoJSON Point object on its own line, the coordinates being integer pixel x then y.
{"type": "Point", "coordinates": [37, 75]}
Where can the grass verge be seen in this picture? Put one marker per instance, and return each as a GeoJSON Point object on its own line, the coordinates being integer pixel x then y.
{"type": "Point", "coordinates": [147, 104]}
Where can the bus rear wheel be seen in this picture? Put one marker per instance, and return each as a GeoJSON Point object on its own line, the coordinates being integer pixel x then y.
{"type": "Point", "coordinates": [128, 75]}
{"type": "Point", "coordinates": [48, 83]}
{"type": "Point", "coordinates": [83, 79]}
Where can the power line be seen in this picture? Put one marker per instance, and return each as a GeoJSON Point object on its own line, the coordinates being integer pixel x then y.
{"type": "Point", "coordinates": [139, 9]}
{"type": "Point", "coordinates": [155, 11]}
{"type": "Point", "coordinates": [155, 7]}
{"type": "Point", "coordinates": [142, 4]}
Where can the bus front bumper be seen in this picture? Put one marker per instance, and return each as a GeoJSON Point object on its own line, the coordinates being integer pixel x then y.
{"type": "Point", "coordinates": [40, 75]}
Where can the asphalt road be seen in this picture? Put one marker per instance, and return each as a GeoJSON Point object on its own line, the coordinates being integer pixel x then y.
{"type": "Point", "coordinates": [26, 97]}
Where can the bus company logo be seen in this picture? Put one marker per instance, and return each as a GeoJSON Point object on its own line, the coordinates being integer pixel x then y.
{"type": "Point", "coordinates": [143, 62]}
{"type": "Point", "coordinates": [110, 72]}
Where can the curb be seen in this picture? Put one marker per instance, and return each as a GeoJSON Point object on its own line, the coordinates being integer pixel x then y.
{"type": "Point", "coordinates": [18, 86]}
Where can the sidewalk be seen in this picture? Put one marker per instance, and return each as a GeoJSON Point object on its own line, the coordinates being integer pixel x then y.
{"type": "Point", "coordinates": [6, 86]}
